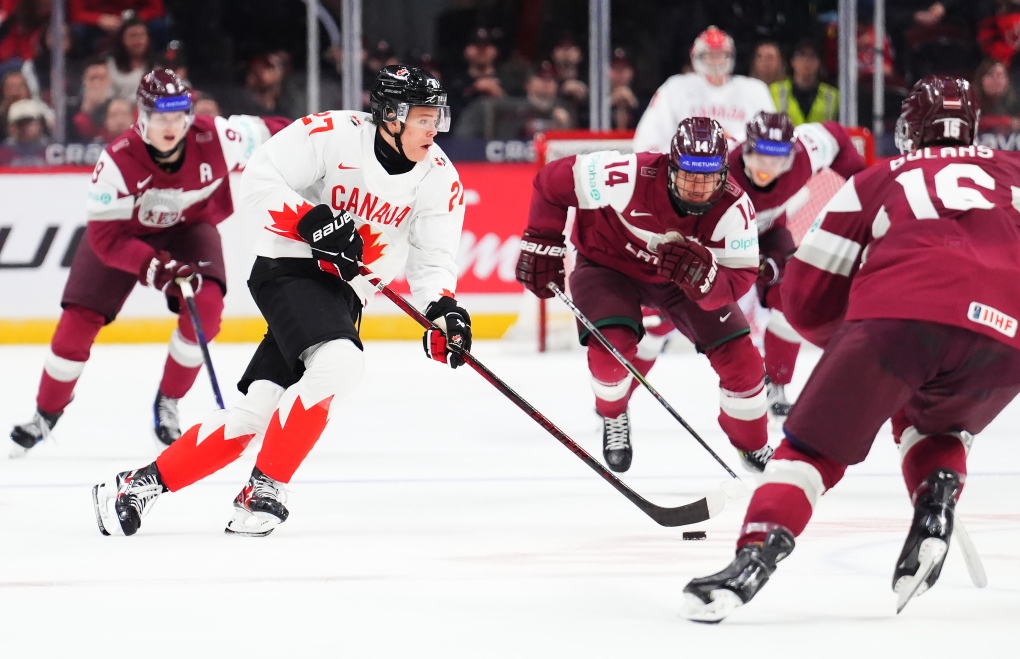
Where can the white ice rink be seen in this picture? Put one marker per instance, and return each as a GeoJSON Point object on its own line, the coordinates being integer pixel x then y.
{"type": "Point", "coordinates": [435, 519]}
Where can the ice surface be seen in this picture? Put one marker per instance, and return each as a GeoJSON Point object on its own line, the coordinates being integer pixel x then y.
{"type": "Point", "coordinates": [435, 519]}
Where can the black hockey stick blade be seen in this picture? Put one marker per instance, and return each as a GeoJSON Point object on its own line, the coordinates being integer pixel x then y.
{"type": "Point", "coordinates": [692, 513]}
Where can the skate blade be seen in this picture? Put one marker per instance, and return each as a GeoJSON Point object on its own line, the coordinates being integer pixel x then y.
{"type": "Point", "coordinates": [723, 603]}
{"type": "Point", "coordinates": [929, 556]}
{"type": "Point", "coordinates": [101, 506]}
{"type": "Point", "coordinates": [255, 525]}
{"type": "Point", "coordinates": [17, 451]}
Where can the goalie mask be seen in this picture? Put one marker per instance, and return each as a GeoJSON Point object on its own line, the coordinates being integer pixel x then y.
{"type": "Point", "coordinates": [938, 110]}
{"type": "Point", "coordinates": [768, 151]}
{"type": "Point", "coordinates": [164, 101]}
{"type": "Point", "coordinates": [713, 53]}
{"type": "Point", "coordinates": [697, 165]}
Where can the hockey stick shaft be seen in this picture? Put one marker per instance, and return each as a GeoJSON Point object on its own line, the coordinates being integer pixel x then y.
{"type": "Point", "coordinates": [189, 299]}
{"type": "Point", "coordinates": [636, 373]}
{"type": "Point", "coordinates": [692, 513]}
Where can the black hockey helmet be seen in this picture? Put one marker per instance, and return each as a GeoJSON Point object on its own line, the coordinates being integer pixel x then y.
{"type": "Point", "coordinates": [400, 87]}
{"type": "Point", "coordinates": [699, 148]}
{"type": "Point", "coordinates": [938, 110]}
{"type": "Point", "coordinates": [768, 150]}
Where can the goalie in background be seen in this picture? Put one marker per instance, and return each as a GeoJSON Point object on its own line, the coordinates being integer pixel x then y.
{"type": "Point", "coordinates": [668, 232]}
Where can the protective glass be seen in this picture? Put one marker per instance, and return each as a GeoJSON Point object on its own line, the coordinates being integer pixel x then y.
{"type": "Point", "coordinates": [440, 122]}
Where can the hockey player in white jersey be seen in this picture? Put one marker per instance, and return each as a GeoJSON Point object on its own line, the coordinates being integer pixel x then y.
{"type": "Point", "coordinates": [330, 190]}
{"type": "Point", "coordinates": [711, 91]}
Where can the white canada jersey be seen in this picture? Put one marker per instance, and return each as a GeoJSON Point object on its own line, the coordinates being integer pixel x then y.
{"type": "Point", "coordinates": [691, 95]}
{"type": "Point", "coordinates": [411, 220]}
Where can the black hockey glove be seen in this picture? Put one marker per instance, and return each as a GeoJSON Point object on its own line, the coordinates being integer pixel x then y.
{"type": "Point", "coordinates": [455, 336]}
{"type": "Point", "coordinates": [333, 239]}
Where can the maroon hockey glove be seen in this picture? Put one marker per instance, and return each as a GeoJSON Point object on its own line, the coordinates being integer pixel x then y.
{"type": "Point", "coordinates": [162, 271]}
{"type": "Point", "coordinates": [690, 264]}
{"type": "Point", "coordinates": [333, 239]}
{"type": "Point", "coordinates": [454, 334]}
{"type": "Point", "coordinates": [541, 262]}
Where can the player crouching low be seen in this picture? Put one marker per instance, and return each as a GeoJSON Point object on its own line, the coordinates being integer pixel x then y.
{"type": "Point", "coordinates": [666, 231]}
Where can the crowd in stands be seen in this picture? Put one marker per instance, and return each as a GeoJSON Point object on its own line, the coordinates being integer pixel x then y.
{"type": "Point", "coordinates": [500, 86]}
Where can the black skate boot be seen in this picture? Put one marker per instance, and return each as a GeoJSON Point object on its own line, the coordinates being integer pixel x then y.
{"type": "Point", "coordinates": [616, 447]}
{"type": "Point", "coordinates": [927, 543]}
{"type": "Point", "coordinates": [779, 407]}
{"type": "Point", "coordinates": [712, 598]}
{"type": "Point", "coordinates": [259, 508]}
{"type": "Point", "coordinates": [755, 461]}
{"type": "Point", "coordinates": [27, 435]}
{"type": "Point", "coordinates": [167, 423]}
{"type": "Point", "coordinates": [121, 505]}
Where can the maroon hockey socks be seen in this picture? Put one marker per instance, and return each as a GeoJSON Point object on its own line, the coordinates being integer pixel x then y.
{"type": "Point", "coordinates": [610, 379]}
{"type": "Point", "coordinates": [184, 359]}
{"type": "Point", "coordinates": [69, 350]}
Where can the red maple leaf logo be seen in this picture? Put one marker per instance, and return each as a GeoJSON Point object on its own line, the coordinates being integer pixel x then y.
{"type": "Point", "coordinates": [285, 222]}
{"type": "Point", "coordinates": [447, 293]}
{"type": "Point", "coordinates": [374, 249]}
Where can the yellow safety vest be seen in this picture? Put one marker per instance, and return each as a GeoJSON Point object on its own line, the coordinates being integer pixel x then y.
{"type": "Point", "coordinates": [824, 108]}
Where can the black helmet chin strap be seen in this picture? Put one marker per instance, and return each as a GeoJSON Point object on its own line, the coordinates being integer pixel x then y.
{"type": "Point", "coordinates": [396, 137]}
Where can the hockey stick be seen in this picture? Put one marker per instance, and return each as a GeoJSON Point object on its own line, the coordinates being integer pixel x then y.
{"type": "Point", "coordinates": [636, 373]}
{"type": "Point", "coordinates": [975, 568]}
{"type": "Point", "coordinates": [189, 299]}
{"type": "Point", "coordinates": [692, 513]}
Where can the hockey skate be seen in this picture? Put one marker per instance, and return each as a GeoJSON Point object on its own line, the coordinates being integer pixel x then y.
{"type": "Point", "coordinates": [779, 407]}
{"type": "Point", "coordinates": [27, 435]}
{"type": "Point", "coordinates": [167, 425]}
{"type": "Point", "coordinates": [755, 461]}
{"type": "Point", "coordinates": [258, 509]}
{"type": "Point", "coordinates": [924, 551]}
{"type": "Point", "coordinates": [121, 505]}
{"type": "Point", "coordinates": [616, 448]}
{"type": "Point", "coordinates": [712, 598]}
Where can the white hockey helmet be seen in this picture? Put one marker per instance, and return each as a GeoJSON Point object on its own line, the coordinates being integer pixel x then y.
{"type": "Point", "coordinates": [713, 53]}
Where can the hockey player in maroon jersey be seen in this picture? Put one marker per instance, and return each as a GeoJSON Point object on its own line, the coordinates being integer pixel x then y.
{"type": "Point", "coordinates": [667, 231]}
{"type": "Point", "coordinates": [157, 194]}
{"type": "Point", "coordinates": [772, 167]}
{"type": "Point", "coordinates": [910, 280]}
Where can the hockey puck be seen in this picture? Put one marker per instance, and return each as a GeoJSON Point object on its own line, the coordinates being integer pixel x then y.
{"type": "Point", "coordinates": [695, 535]}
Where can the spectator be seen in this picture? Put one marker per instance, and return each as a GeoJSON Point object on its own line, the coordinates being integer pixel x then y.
{"type": "Point", "coordinates": [21, 27]}
{"type": "Point", "coordinates": [566, 58]}
{"type": "Point", "coordinates": [96, 91]}
{"type": "Point", "coordinates": [175, 59]}
{"type": "Point", "coordinates": [96, 24]}
{"type": "Point", "coordinates": [37, 70]}
{"type": "Point", "coordinates": [998, 27]}
{"type": "Point", "coordinates": [13, 88]}
{"type": "Point", "coordinates": [207, 105]}
{"type": "Point", "coordinates": [477, 78]}
{"type": "Point", "coordinates": [512, 118]}
{"type": "Point", "coordinates": [120, 114]}
{"type": "Point", "coordinates": [805, 90]}
{"type": "Point", "coordinates": [767, 63]}
{"type": "Point", "coordinates": [262, 95]}
{"type": "Point", "coordinates": [26, 141]}
{"type": "Point", "coordinates": [996, 97]}
{"type": "Point", "coordinates": [623, 102]}
{"type": "Point", "coordinates": [131, 58]}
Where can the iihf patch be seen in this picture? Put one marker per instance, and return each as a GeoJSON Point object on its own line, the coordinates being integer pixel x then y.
{"type": "Point", "coordinates": [982, 314]}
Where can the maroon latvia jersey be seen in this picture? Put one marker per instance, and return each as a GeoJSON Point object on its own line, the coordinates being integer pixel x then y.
{"type": "Point", "coordinates": [624, 210]}
{"type": "Point", "coordinates": [132, 197]}
{"type": "Point", "coordinates": [933, 236]}
{"type": "Point", "coordinates": [818, 146]}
